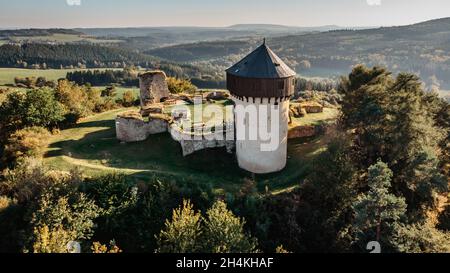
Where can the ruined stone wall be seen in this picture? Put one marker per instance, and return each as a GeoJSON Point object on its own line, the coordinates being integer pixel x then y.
{"type": "Point", "coordinates": [191, 143]}
{"type": "Point", "coordinates": [135, 129]}
{"type": "Point", "coordinates": [153, 87]}
{"type": "Point", "coordinates": [132, 128]}
{"type": "Point", "coordinates": [302, 131]}
{"type": "Point", "coordinates": [308, 130]}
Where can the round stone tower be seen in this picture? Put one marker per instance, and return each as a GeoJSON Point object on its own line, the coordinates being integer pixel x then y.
{"type": "Point", "coordinates": [261, 83]}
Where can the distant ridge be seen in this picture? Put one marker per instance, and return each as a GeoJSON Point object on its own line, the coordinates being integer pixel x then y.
{"type": "Point", "coordinates": [420, 48]}
{"type": "Point", "coordinates": [243, 26]}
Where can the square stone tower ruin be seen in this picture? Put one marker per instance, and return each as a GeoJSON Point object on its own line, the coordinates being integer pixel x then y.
{"type": "Point", "coordinates": [153, 88]}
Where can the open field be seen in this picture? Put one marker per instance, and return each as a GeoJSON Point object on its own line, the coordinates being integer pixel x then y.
{"type": "Point", "coordinates": [328, 115]}
{"type": "Point", "coordinates": [92, 146]}
{"type": "Point", "coordinates": [120, 90]}
{"type": "Point", "coordinates": [7, 75]}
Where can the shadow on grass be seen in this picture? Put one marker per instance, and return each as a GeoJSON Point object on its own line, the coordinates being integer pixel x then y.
{"type": "Point", "coordinates": [160, 155]}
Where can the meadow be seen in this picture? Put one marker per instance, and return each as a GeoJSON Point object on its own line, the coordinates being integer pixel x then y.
{"type": "Point", "coordinates": [92, 147]}
{"type": "Point", "coordinates": [7, 75]}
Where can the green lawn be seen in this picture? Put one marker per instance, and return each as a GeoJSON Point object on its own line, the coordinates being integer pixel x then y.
{"type": "Point", "coordinates": [120, 90]}
{"type": "Point", "coordinates": [92, 146]}
{"type": "Point", "coordinates": [7, 75]}
{"type": "Point", "coordinates": [328, 115]}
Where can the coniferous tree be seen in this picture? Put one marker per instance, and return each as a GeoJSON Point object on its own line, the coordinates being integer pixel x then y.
{"type": "Point", "coordinates": [378, 212]}
{"type": "Point", "coordinates": [393, 119]}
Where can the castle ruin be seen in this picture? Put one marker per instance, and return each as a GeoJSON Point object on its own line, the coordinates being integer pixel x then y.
{"type": "Point", "coordinates": [136, 126]}
{"type": "Point", "coordinates": [153, 89]}
{"type": "Point", "coordinates": [261, 80]}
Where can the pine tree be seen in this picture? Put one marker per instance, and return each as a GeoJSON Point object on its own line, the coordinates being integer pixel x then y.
{"type": "Point", "coordinates": [413, 142]}
{"type": "Point", "coordinates": [378, 211]}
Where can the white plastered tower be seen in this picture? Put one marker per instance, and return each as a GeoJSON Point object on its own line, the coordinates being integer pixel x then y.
{"type": "Point", "coordinates": [261, 83]}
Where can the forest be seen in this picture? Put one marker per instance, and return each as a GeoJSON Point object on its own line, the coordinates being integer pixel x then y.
{"type": "Point", "coordinates": [420, 48]}
{"type": "Point", "coordinates": [364, 186]}
{"type": "Point", "coordinates": [197, 54]}
{"type": "Point", "coordinates": [45, 56]}
{"type": "Point", "coordinates": [381, 175]}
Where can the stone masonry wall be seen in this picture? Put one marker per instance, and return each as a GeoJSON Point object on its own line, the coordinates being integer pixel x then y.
{"type": "Point", "coordinates": [190, 145]}
{"type": "Point", "coordinates": [153, 87]}
{"type": "Point", "coordinates": [134, 130]}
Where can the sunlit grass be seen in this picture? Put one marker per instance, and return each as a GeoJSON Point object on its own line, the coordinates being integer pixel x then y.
{"type": "Point", "coordinates": [92, 147]}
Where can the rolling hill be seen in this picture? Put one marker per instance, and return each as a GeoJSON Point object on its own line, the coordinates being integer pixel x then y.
{"type": "Point", "coordinates": [46, 56]}
{"type": "Point", "coordinates": [422, 48]}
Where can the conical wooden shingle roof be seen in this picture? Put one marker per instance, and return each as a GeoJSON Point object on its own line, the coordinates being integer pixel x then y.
{"type": "Point", "coordinates": [262, 63]}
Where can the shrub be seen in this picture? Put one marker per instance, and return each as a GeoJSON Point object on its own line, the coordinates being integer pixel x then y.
{"type": "Point", "coordinates": [50, 240]}
{"type": "Point", "coordinates": [224, 232]}
{"type": "Point", "coordinates": [74, 98]}
{"type": "Point", "coordinates": [177, 86]}
{"type": "Point", "coordinates": [98, 248]}
{"type": "Point", "coordinates": [219, 232]}
{"type": "Point", "coordinates": [182, 233]}
{"type": "Point", "coordinates": [62, 214]}
{"type": "Point", "coordinates": [32, 108]}
{"type": "Point", "coordinates": [128, 99]}
{"type": "Point", "coordinates": [28, 142]}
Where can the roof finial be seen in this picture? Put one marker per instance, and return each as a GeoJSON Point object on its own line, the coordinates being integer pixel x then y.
{"type": "Point", "coordinates": [264, 41]}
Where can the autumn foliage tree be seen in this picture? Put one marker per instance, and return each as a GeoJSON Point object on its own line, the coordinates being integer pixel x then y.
{"type": "Point", "coordinates": [177, 86]}
{"type": "Point", "coordinates": [219, 232]}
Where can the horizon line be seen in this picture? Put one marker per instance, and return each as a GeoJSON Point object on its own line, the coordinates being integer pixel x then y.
{"type": "Point", "coordinates": [212, 27]}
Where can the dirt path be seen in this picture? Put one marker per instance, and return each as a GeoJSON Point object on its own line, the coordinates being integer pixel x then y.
{"type": "Point", "coordinates": [83, 163]}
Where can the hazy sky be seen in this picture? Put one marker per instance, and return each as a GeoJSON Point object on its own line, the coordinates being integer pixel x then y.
{"type": "Point", "coordinates": [114, 13]}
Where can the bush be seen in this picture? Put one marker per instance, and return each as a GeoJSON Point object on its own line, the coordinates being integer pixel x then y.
{"type": "Point", "coordinates": [26, 182]}
{"type": "Point", "coordinates": [33, 82]}
{"type": "Point", "coordinates": [32, 108]}
{"type": "Point", "coordinates": [182, 233]}
{"type": "Point", "coordinates": [422, 238]}
{"type": "Point", "coordinates": [51, 240]}
{"type": "Point", "coordinates": [128, 99]}
{"type": "Point", "coordinates": [219, 232]}
{"type": "Point", "coordinates": [74, 98]}
{"type": "Point", "coordinates": [28, 208]}
{"type": "Point", "coordinates": [28, 142]}
{"type": "Point", "coordinates": [444, 219]}
{"type": "Point", "coordinates": [177, 86]}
